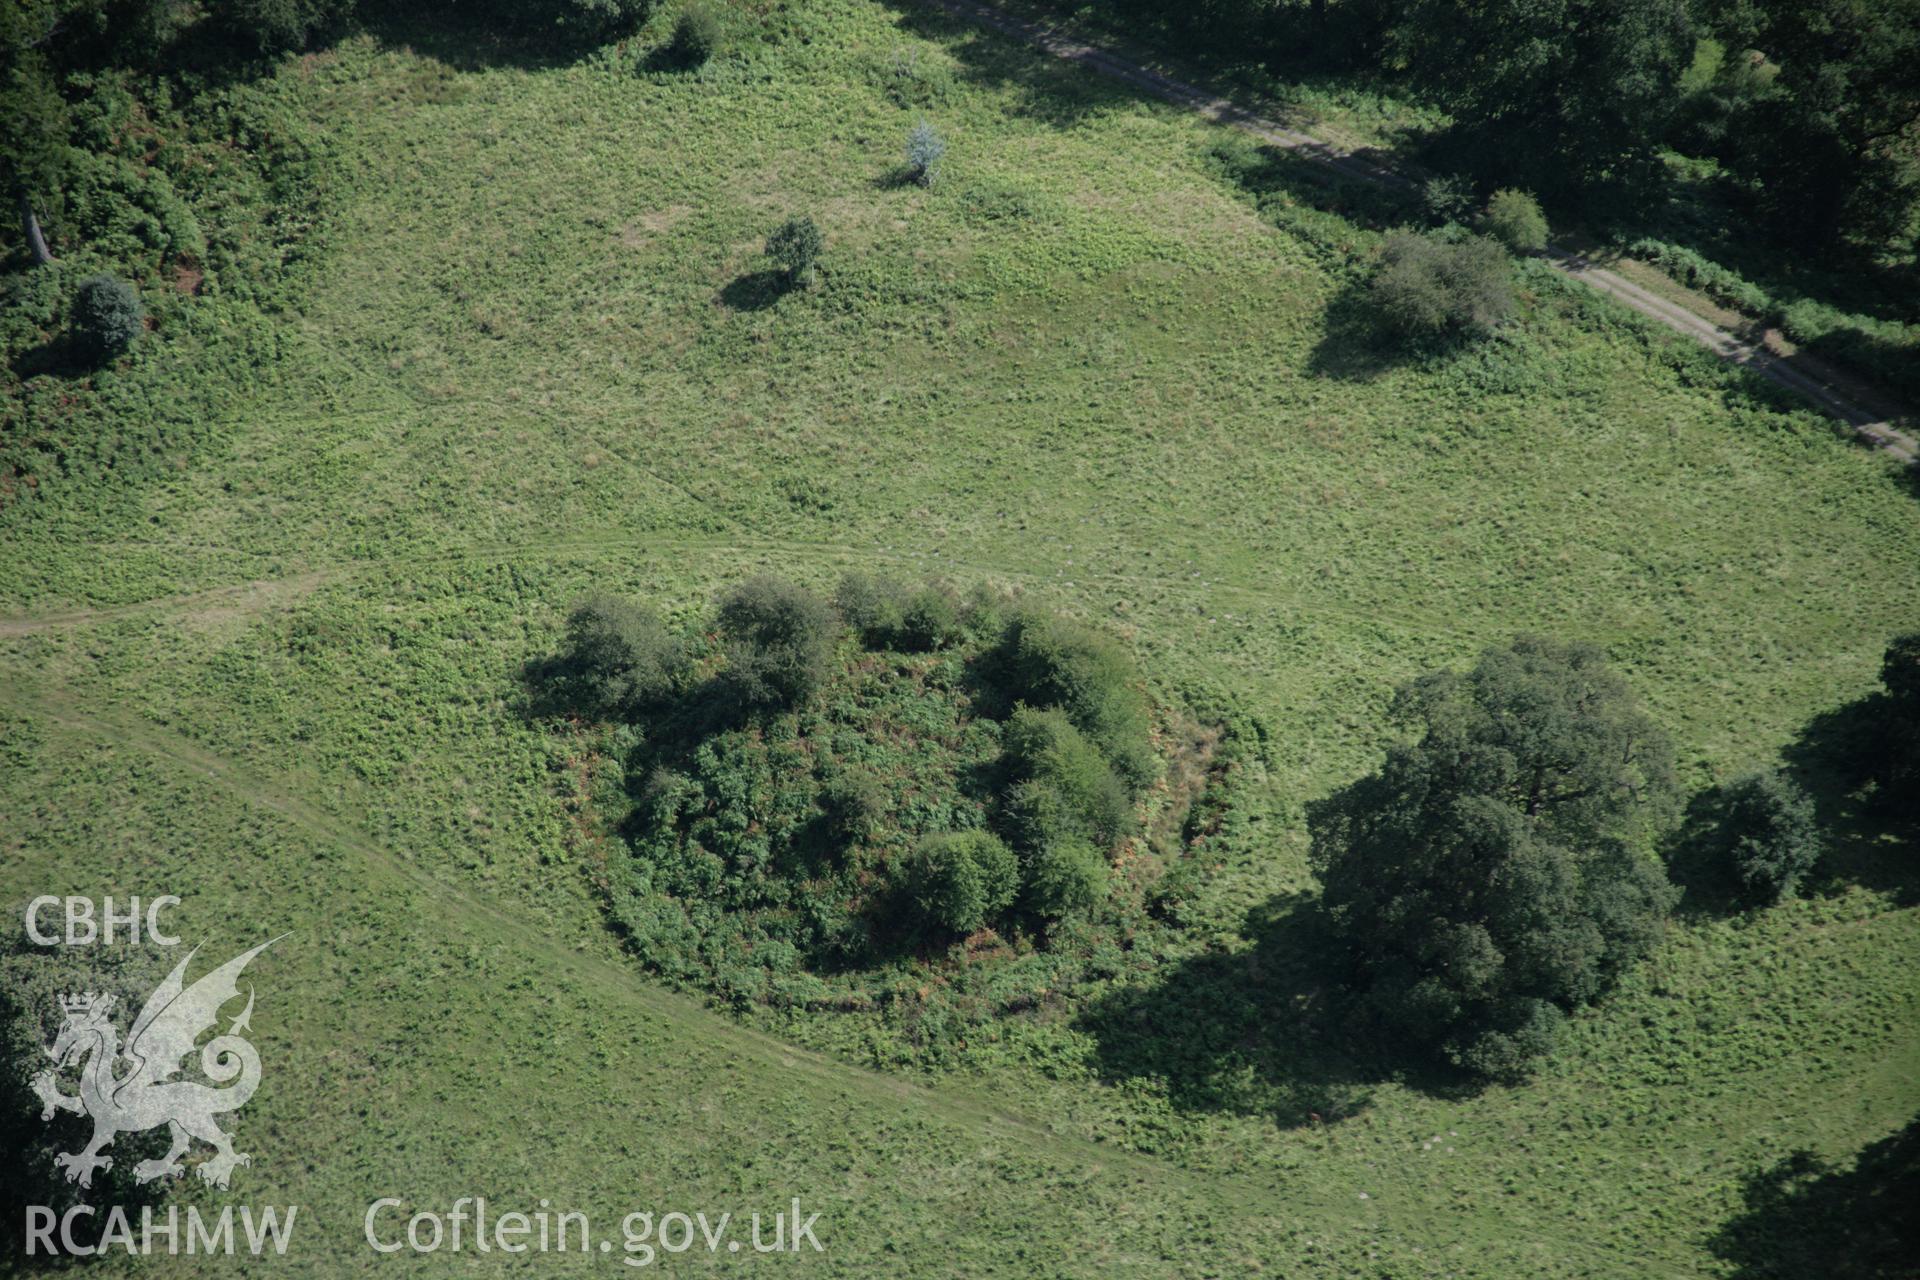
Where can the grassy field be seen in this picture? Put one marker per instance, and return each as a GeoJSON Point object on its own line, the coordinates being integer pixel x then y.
{"type": "Point", "coordinates": [536, 354]}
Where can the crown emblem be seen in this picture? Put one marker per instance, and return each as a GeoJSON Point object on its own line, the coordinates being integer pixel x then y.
{"type": "Point", "coordinates": [81, 1003]}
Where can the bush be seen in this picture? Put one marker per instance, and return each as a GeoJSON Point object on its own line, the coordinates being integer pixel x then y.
{"type": "Point", "coordinates": [1427, 285]}
{"type": "Point", "coordinates": [1049, 661]}
{"type": "Point", "coordinates": [1724, 286]}
{"type": "Point", "coordinates": [926, 150]}
{"type": "Point", "coordinates": [696, 36]}
{"type": "Point", "coordinates": [1514, 219]}
{"type": "Point", "coordinates": [107, 316]}
{"type": "Point", "coordinates": [931, 620]}
{"type": "Point", "coordinates": [1066, 878]}
{"type": "Point", "coordinates": [1501, 860]}
{"type": "Point", "coordinates": [1769, 834]}
{"type": "Point", "coordinates": [959, 880]}
{"type": "Point", "coordinates": [618, 659]}
{"type": "Point", "coordinates": [779, 638]}
{"type": "Point", "coordinates": [795, 246]}
{"type": "Point", "coordinates": [1065, 790]}
{"type": "Point", "coordinates": [1447, 199]}
{"type": "Point", "coordinates": [855, 805]}
{"type": "Point", "coordinates": [874, 607]}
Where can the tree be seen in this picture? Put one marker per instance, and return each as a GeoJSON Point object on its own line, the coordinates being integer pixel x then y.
{"type": "Point", "coordinates": [33, 120]}
{"type": "Point", "coordinates": [1514, 219]}
{"type": "Point", "coordinates": [926, 150]}
{"type": "Point", "coordinates": [1431, 285]}
{"type": "Point", "coordinates": [874, 606]}
{"type": "Point", "coordinates": [795, 246]}
{"type": "Point", "coordinates": [778, 640]}
{"type": "Point", "coordinates": [107, 316]}
{"type": "Point", "coordinates": [1769, 834]}
{"type": "Point", "coordinates": [32, 980]}
{"type": "Point", "coordinates": [959, 880]}
{"type": "Point", "coordinates": [1495, 872]}
{"type": "Point", "coordinates": [696, 36]}
{"type": "Point", "coordinates": [618, 659]}
{"type": "Point", "coordinates": [1832, 141]}
{"type": "Point", "coordinates": [1558, 94]}
{"type": "Point", "coordinates": [1447, 198]}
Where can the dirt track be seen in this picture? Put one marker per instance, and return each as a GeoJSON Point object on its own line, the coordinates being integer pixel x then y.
{"type": "Point", "coordinates": [1803, 375]}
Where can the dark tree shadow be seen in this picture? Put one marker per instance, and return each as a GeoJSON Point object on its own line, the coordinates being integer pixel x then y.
{"type": "Point", "coordinates": [1261, 1031]}
{"type": "Point", "coordinates": [1271, 174]}
{"type": "Point", "coordinates": [897, 178]}
{"type": "Point", "coordinates": [1807, 1217]}
{"type": "Point", "coordinates": [1358, 346]}
{"type": "Point", "coordinates": [60, 357]}
{"type": "Point", "coordinates": [754, 291]}
{"type": "Point", "coordinates": [467, 41]}
{"type": "Point", "coordinates": [1868, 840]}
{"type": "Point", "coordinates": [1056, 91]}
{"type": "Point", "coordinates": [1698, 861]}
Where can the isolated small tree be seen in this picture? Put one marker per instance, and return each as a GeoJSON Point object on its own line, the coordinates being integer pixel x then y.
{"type": "Point", "coordinates": [1501, 861]}
{"type": "Point", "coordinates": [1770, 834]}
{"type": "Point", "coordinates": [960, 880]}
{"type": "Point", "coordinates": [696, 36]}
{"type": "Point", "coordinates": [1429, 285]}
{"type": "Point", "coordinates": [1515, 220]}
{"type": "Point", "coordinates": [795, 246]}
{"type": "Point", "coordinates": [926, 151]}
{"type": "Point", "coordinates": [106, 317]}
{"type": "Point", "coordinates": [779, 638]}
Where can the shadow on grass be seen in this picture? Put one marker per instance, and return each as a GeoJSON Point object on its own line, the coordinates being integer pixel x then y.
{"type": "Point", "coordinates": [1869, 841]}
{"type": "Point", "coordinates": [1259, 1031]}
{"type": "Point", "coordinates": [1053, 90]}
{"type": "Point", "coordinates": [1357, 346]}
{"type": "Point", "coordinates": [468, 41]}
{"type": "Point", "coordinates": [898, 178]}
{"type": "Point", "coordinates": [1865, 840]}
{"type": "Point", "coordinates": [1808, 1217]}
{"type": "Point", "coordinates": [1698, 862]}
{"type": "Point", "coordinates": [754, 291]}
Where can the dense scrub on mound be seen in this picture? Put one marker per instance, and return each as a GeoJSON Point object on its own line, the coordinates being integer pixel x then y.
{"type": "Point", "coordinates": [818, 799]}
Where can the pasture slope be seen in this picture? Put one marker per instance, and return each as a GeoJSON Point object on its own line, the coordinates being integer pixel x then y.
{"type": "Point", "coordinates": [540, 356]}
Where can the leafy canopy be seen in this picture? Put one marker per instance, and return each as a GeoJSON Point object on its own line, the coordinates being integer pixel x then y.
{"type": "Point", "coordinates": [1557, 94]}
{"type": "Point", "coordinates": [1770, 835]}
{"type": "Point", "coordinates": [1429, 285]}
{"type": "Point", "coordinates": [1495, 871]}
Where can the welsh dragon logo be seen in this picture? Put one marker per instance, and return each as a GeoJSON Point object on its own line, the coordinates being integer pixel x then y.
{"type": "Point", "coordinates": [143, 1095]}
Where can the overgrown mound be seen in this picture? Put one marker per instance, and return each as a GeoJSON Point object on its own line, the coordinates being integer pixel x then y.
{"type": "Point", "coordinates": [814, 791]}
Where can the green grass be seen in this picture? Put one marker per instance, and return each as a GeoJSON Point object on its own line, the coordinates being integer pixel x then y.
{"type": "Point", "coordinates": [278, 676]}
